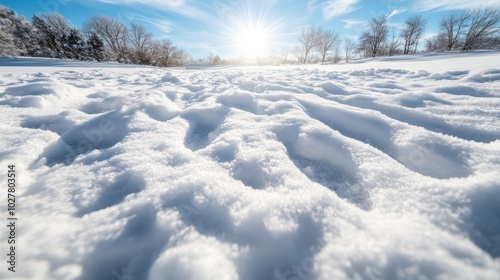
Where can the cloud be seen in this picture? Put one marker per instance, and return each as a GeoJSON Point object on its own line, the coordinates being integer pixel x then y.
{"type": "Point", "coordinates": [428, 5]}
{"type": "Point", "coordinates": [350, 23]}
{"type": "Point", "coordinates": [160, 24]}
{"type": "Point", "coordinates": [335, 8]}
{"type": "Point", "coordinates": [396, 12]}
{"type": "Point", "coordinates": [181, 7]}
{"type": "Point", "coordinates": [428, 35]}
{"type": "Point", "coordinates": [157, 3]}
{"type": "Point", "coordinates": [312, 5]}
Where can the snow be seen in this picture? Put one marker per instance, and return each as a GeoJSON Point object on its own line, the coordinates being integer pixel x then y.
{"type": "Point", "coordinates": [380, 169]}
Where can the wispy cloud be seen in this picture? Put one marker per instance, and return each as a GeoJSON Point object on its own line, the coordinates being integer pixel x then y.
{"type": "Point", "coordinates": [163, 25]}
{"type": "Point", "coordinates": [335, 8]}
{"type": "Point", "coordinates": [396, 12]}
{"type": "Point", "coordinates": [157, 3]}
{"type": "Point", "coordinates": [312, 5]}
{"type": "Point", "coordinates": [428, 5]}
{"type": "Point", "coordinates": [182, 7]}
{"type": "Point", "coordinates": [350, 23]}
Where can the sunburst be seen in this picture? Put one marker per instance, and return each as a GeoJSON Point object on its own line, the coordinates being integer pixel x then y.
{"type": "Point", "coordinates": [251, 31]}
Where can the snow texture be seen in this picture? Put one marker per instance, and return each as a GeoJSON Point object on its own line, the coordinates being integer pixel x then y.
{"type": "Point", "coordinates": [380, 169]}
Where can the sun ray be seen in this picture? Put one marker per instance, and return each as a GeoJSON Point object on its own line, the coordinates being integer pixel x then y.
{"type": "Point", "coordinates": [251, 31]}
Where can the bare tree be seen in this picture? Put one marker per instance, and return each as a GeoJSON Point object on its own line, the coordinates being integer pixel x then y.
{"type": "Point", "coordinates": [112, 32]}
{"type": "Point", "coordinates": [384, 49]}
{"type": "Point", "coordinates": [56, 21]}
{"type": "Point", "coordinates": [394, 44]}
{"type": "Point", "coordinates": [376, 36]}
{"type": "Point", "coordinates": [174, 56]}
{"type": "Point", "coordinates": [452, 27]}
{"type": "Point", "coordinates": [437, 43]}
{"type": "Point", "coordinates": [181, 58]}
{"type": "Point", "coordinates": [309, 39]}
{"type": "Point", "coordinates": [279, 55]}
{"type": "Point", "coordinates": [140, 40]}
{"type": "Point", "coordinates": [493, 43]}
{"type": "Point", "coordinates": [412, 31]}
{"type": "Point", "coordinates": [298, 52]}
{"type": "Point", "coordinates": [337, 57]}
{"type": "Point", "coordinates": [326, 41]}
{"type": "Point", "coordinates": [163, 53]}
{"type": "Point", "coordinates": [349, 46]}
{"type": "Point", "coordinates": [217, 60]}
{"type": "Point", "coordinates": [210, 58]}
{"type": "Point", "coordinates": [483, 24]}
{"type": "Point", "coordinates": [430, 44]}
{"type": "Point", "coordinates": [283, 53]}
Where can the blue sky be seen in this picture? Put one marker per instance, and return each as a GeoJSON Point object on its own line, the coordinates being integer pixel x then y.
{"type": "Point", "coordinates": [200, 27]}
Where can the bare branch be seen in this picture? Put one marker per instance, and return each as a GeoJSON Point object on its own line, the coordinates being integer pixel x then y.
{"type": "Point", "coordinates": [140, 40]}
{"type": "Point", "coordinates": [372, 39]}
{"type": "Point", "coordinates": [483, 24]}
{"type": "Point", "coordinates": [412, 32]}
{"type": "Point", "coordinates": [326, 40]}
{"type": "Point", "coordinates": [113, 32]}
{"type": "Point", "coordinates": [349, 46]}
{"type": "Point", "coordinates": [452, 27]}
{"type": "Point", "coordinates": [309, 39]}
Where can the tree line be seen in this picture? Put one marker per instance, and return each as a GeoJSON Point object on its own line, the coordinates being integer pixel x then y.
{"type": "Point", "coordinates": [102, 38]}
{"type": "Point", "coordinates": [463, 30]}
{"type": "Point", "coordinates": [467, 30]}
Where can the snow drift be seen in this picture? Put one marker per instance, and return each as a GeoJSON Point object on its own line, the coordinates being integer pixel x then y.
{"type": "Point", "coordinates": [375, 170]}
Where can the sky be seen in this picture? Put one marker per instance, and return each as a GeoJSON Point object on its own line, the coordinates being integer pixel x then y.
{"type": "Point", "coordinates": [232, 28]}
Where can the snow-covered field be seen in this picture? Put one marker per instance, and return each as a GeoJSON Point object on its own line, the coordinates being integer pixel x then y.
{"type": "Point", "coordinates": [382, 169]}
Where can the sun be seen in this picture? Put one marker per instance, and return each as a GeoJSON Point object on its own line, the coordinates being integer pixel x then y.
{"type": "Point", "coordinates": [251, 32]}
{"type": "Point", "coordinates": [252, 41]}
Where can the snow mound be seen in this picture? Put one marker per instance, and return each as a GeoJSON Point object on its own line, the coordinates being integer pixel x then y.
{"type": "Point", "coordinates": [256, 173]}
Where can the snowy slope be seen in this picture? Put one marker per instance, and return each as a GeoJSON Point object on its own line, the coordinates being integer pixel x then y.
{"type": "Point", "coordinates": [384, 169]}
